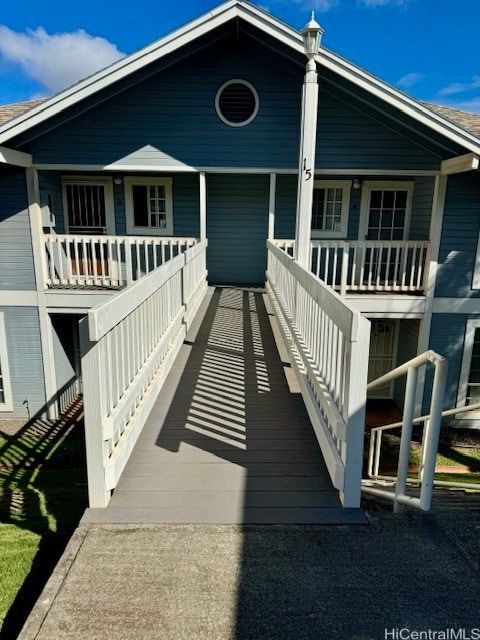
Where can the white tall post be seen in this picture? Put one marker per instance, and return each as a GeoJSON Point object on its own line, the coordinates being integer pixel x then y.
{"type": "Point", "coordinates": [203, 205]}
{"type": "Point", "coordinates": [271, 206]}
{"type": "Point", "coordinates": [306, 168]}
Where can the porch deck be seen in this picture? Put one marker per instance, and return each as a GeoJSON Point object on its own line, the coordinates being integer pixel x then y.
{"type": "Point", "coordinates": [228, 440]}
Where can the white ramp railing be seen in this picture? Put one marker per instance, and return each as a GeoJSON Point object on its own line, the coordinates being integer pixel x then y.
{"type": "Point", "coordinates": [128, 345]}
{"type": "Point", "coordinates": [430, 436]}
{"type": "Point", "coordinates": [328, 342]}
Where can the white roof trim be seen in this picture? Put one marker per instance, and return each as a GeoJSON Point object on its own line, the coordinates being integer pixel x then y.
{"type": "Point", "coordinates": [269, 25]}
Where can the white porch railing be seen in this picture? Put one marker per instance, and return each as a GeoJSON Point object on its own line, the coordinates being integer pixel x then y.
{"type": "Point", "coordinates": [128, 346]}
{"type": "Point", "coordinates": [328, 342]}
{"type": "Point", "coordinates": [106, 261]}
{"type": "Point", "coordinates": [367, 265]}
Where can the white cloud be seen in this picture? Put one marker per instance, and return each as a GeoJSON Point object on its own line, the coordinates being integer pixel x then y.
{"type": "Point", "coordinates": [326, 5]}
{"type": "Point", "coordinates": [382, 3]}
{"type": "Point", "coordinates": [460, 87]}
{"type": "Point", "coordinates": [58, 60]}
{"type": "Point", "coordinates": [323, 5]}
{"type": "Point", "coordinates": [411, 79]}
{"type": "Point", "coordinates": [472, 105]}
{"type": "Point", "coordinates": [317, 5]}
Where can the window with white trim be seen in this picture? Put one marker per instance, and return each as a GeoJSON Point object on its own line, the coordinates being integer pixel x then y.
{"type": "Point", "coordinates": [6, 402]}
{"type": "Point", "coordinates": [331, 201]}
{"type": "Point", "coordinates": [469, 386]}
{"type": "Point", "coordinates": [149, 206]}
{"type": "Point", "coordinates": [385, 210]}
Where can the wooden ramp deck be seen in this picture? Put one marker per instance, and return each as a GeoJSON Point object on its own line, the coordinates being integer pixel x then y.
{"type": "Point", "coordinates": [227, 441]}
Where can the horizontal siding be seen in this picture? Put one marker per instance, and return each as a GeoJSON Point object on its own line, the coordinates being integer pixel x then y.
{"type": "Point", "coordinates": [237, 223]}
{"type": "Point", "coordinates": [407, 349]}
{"type": "Point", "coordinates": [350, 137]}
{"type": "Point", "coordinates": [186, 205]}
{"type": "Point", "coordinates": [460, 232]}
{"type": "Point", "coordinates": [285, 206]}
{"type": "Point", "coordinates": [421, 208]}
{"type": "Point", "coordinates": [447, 337]}
{"type": "Point", "coordinates": [50, 181]}
{"type": "Point", "coordinates": [170, 119]}
{"type": "Point", "coordinates": [16, 257]}
{"type": "Point", "coordinates": [22, 330]}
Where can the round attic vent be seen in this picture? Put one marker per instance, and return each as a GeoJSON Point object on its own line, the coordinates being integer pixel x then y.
{"type": "Point", "coordinates": [236, 103]}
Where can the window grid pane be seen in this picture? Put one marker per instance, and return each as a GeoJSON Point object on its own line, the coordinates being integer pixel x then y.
{"type": "Point", "coordinates": [327, 209]}
{"type": "Point", "coordinates": [157, 206]}
{"type": "Point", "coordinates": [386, 216]}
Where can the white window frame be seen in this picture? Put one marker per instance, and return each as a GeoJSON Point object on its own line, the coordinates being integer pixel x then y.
{"type": "Point", "coordinates": [476, 267]}
{"type": "Point", "coordinates": [5, 367]}
{"type": "Point", "coordinates": [372, 185]}
{"type": "Point", "coordinates": [129, 212]}
{"type": "Point", "coordinates": [346, 186]}
{"type": "Point", "coordinates": [470, 327]}
{"type": "Point", "coordinates": [91, 180]}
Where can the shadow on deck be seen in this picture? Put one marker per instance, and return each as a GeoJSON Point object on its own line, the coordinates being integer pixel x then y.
{"type": "Point", "coordinates": [227, 441]}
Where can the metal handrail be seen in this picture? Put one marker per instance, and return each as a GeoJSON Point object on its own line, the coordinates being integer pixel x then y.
{"type": "Point", "coordinates": [376, 445]}
{"type": "Point", "coordinates": [431, 434]}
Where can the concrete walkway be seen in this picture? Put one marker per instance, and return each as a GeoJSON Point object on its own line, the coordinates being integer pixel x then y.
{"type": "Point", "coordinates": [210, 582]}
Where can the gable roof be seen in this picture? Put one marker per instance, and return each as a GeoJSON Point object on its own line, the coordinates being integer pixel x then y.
{"type": "Point", "coordinates": [442, 123]}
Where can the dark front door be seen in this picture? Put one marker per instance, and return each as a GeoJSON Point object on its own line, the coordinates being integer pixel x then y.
{"type": "Point", "coordinates": [237, 225]}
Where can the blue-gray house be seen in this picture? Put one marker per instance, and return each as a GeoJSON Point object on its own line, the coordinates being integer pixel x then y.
{"type": "Point", "coordinates": [195, 139]}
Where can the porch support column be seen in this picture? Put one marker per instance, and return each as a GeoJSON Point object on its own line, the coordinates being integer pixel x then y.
{"type": "Point", "coordinates": [203, 205]}
{"type": "Point", "coordinates": [271, 206]}
{"type": "Point", "coordinates": [306, 167]}
{"type": "Point", "coordinates": [35, 219]}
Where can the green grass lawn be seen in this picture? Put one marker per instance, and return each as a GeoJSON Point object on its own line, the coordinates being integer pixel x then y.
{"type": "Point", "coordinates": [43, 494]}
{"type": "Point", "coordinates": [463, 461]}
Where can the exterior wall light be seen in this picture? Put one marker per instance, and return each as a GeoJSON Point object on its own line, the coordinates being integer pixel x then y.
{"type": "Point", "coordinates": [312, 33]}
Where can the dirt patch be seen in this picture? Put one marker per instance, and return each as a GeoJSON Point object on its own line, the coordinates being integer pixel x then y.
{"type": "Point", "coordinates": [10, 427]}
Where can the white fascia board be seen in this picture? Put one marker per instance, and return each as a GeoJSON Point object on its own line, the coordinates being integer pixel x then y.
{"type": "Point", "coordinates": [269, 25]}
{"type": "Point", "coordinates": [14, 157]}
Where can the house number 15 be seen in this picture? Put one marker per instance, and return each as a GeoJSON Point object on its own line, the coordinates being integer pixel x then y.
{"type": "Point", "coordinates": [308, 172]}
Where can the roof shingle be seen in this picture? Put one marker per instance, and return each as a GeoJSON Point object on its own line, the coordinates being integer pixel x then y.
{"type": "Point", "coordinates": [468, 121]}
{"type": "Point", "coordinates": [10, 111]}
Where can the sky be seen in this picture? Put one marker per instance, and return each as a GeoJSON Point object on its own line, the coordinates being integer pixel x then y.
{"type": "Point", "coordinates": [426, 48]}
